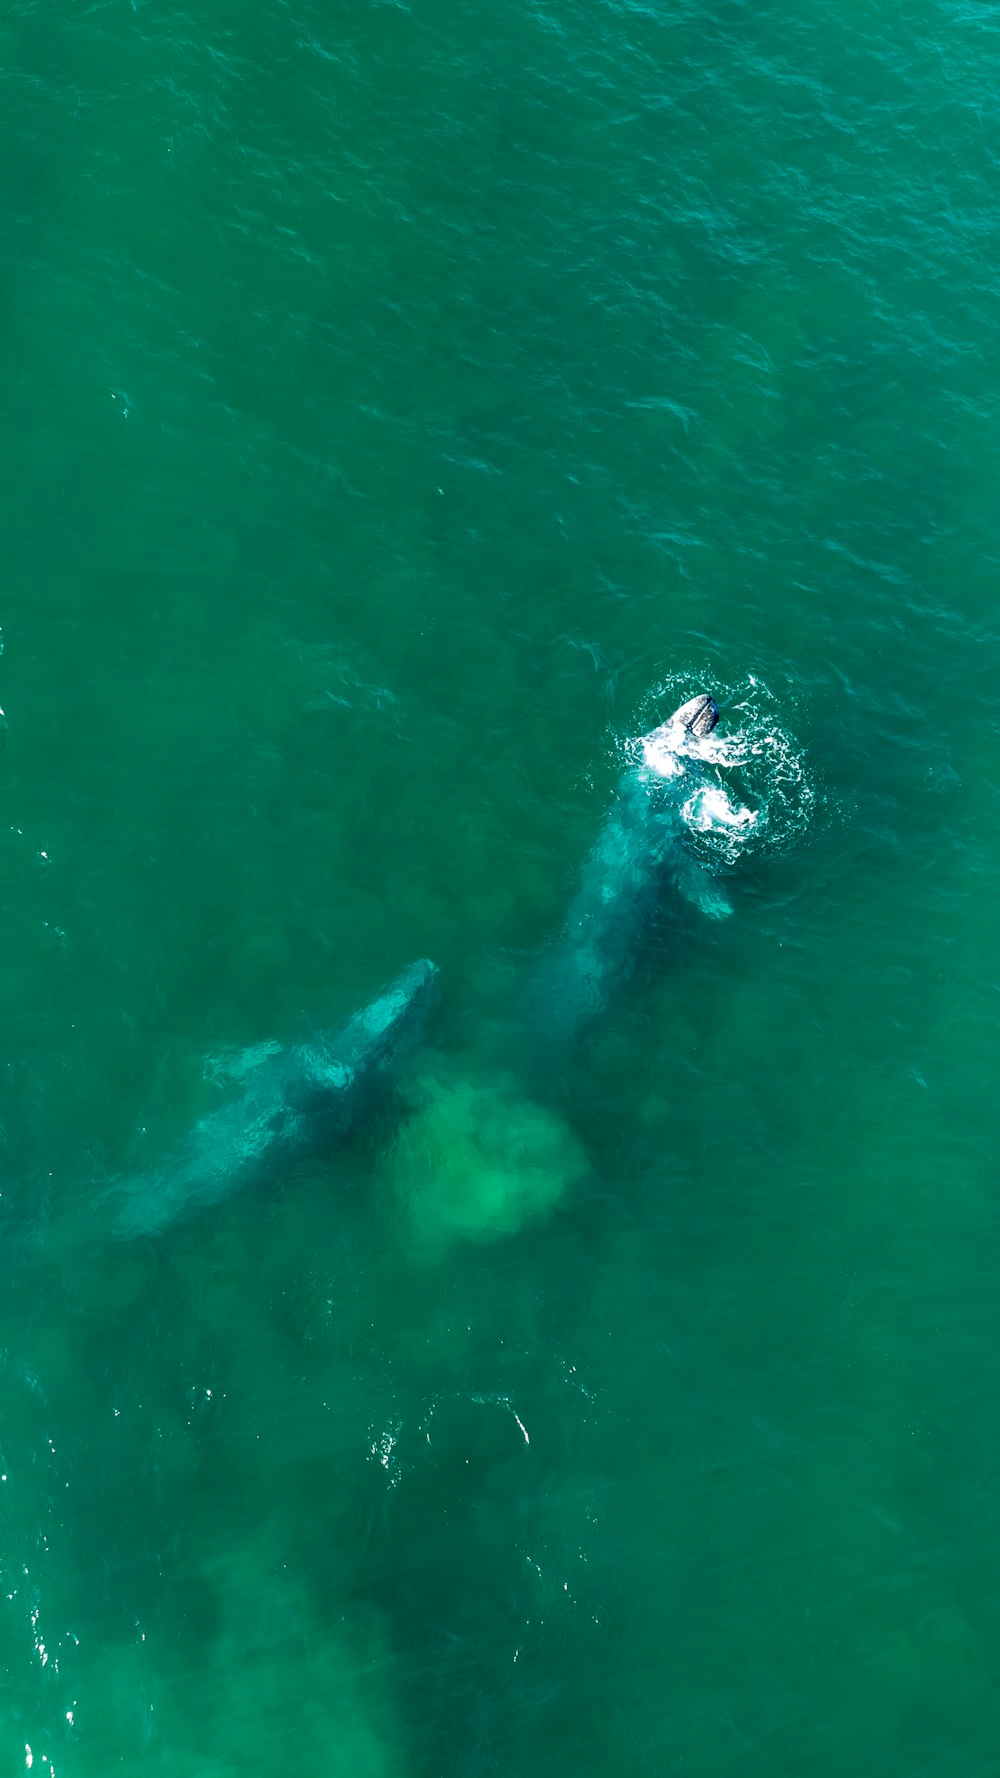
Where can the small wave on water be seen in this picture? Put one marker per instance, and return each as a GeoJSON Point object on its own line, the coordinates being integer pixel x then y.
{"type": "Point", "coordinates": [759, 795]}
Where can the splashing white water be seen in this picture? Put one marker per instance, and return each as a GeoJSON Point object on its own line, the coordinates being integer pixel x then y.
{"type": "Point", "coordinates": [755, 793]}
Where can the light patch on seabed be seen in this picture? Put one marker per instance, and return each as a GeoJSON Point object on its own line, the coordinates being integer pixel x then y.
{"type": "Point", "coordinates": [273, 1689]}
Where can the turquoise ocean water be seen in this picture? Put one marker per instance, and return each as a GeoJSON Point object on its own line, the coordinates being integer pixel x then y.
{"type": "Point", "coordinates": [403, 407]}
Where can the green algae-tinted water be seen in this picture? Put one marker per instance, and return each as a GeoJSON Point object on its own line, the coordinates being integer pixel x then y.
{"type": "Point", "coordinates": [393, 399]}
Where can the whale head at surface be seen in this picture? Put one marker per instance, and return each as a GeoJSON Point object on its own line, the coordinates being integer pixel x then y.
{"type": "Point", "coordinates": [665, 749]}
{"type": "Point", "coordinates": [699, 715]}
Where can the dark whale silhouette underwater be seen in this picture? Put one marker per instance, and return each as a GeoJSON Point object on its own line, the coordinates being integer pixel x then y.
{"type": "Point", "coordinates": [641, 855]}
{"type": "Point", "coordinates": [302, 1099]}
{"type": "Point", "coordinates": [296, 1102]}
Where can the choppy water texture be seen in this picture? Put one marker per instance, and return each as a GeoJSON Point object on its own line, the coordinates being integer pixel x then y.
{"type": "Point", "coordinates": [401, 404]}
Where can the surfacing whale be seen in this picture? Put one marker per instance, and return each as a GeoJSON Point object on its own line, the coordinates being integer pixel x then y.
{"type": "Point", "coordinates": [641, 849]}
{"type": "Point", "coordinates": [296, 1102]}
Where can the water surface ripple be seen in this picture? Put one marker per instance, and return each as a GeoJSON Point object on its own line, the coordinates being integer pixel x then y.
{"type": "Point", "coordinates": [400, 401]}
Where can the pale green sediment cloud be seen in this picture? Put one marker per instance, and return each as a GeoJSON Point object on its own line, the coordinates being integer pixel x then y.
{"type": "Point", "coordinates": [479, 1160]}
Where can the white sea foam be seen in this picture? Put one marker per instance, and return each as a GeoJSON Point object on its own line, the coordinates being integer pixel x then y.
{"type": "Point", "coordinates": [753, 791]}
{"type": "Point", "coordinates": [712, 807]}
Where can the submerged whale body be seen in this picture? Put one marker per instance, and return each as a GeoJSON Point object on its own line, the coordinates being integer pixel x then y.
{"type": "Point", "coordinates": [295, 1103]}
{"type": "Point", "coordinates": [640, 851]}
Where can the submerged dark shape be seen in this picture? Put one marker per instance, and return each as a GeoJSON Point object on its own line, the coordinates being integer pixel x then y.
{"type": "Point", "coordinates": [640, 851]}
{"type": "Point", "coordinates": [295, 1102]}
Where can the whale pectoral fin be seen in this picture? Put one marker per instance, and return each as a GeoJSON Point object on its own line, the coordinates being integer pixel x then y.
{"type": "Point", "coordinates": [702, 891]}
